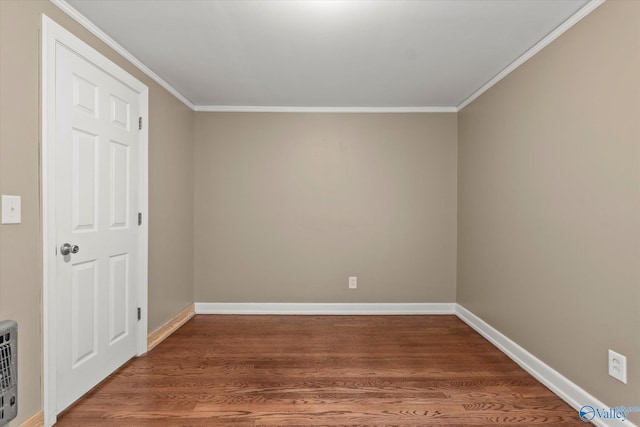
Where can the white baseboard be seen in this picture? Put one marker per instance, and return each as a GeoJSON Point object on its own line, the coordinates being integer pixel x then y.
{"type": "Point", "coordinates": [568, 391]}
{"type": "Point", "coordinates": [326, 308]}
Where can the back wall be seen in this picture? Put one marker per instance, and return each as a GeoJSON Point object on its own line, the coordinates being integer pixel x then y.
{"type": "Point", "coordinates": [288, 205]}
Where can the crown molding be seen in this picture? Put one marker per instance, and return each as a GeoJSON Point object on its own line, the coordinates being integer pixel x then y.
{"type": "Point", "coordinates": [292, 109]}
{"type": "Point", "coordinates": [96, 31]}
{"type": "Point", "coordinates": [561, 29]}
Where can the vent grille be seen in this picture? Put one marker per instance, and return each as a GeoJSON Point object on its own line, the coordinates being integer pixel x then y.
{"type": "Point", "coordinates": [7, 376]}
{"type": "Point", "coordinates": [8, 371]}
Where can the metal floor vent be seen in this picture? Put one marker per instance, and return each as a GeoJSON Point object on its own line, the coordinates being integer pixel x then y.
{"type": "Point", "coordinates": [8, 371]}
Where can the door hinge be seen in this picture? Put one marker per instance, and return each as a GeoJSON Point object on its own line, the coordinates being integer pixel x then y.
{"type": "Point", "coordinates": [140, 123]}
{"type": "Point", "coordinates": [139, 313]}
{"type": "Point", "coordinates": [139, 218]}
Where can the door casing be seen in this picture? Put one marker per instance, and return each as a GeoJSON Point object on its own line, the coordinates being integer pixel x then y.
{"type": "Point", "coordinates": [53, 34]}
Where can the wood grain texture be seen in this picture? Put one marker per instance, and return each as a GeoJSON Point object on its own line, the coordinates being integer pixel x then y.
{"type": "Point", "coordinates": [37, 420]}
{"type": "Point", "coordinates": [164, 331]}
{"type": "Point", "coordinates": [321, 371]}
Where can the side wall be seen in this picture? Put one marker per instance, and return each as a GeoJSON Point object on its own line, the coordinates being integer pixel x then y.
{"type": "Point", "coordinates": [288, 205]}
{"type": "Point", "coordinates": [549, 203]}
{"type": "Point", "coordinates": [171, 189]}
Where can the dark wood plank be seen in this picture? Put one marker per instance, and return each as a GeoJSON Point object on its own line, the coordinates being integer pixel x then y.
{"type": "Point", "coordinates": [321, 371]}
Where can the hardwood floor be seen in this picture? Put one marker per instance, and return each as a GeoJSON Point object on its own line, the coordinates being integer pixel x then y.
{"type": "Point", "coordinates": [321, 371]}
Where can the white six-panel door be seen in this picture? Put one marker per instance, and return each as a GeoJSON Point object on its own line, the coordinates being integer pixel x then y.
{"type": "Point", "coordinates": [96, 199]}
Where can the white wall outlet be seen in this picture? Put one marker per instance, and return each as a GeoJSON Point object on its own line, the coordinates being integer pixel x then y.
{"type": "Point", "coordinates": [353, 282]}
{"type": "Point", "coordinates": [618, 366]}
{"type": "Point", "coordinates": [10, 209]}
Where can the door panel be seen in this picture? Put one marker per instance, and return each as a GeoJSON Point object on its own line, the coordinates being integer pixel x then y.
{"type": "Point", "coordinates": [85, 192]}
{"type": "Point", "coordinates": [85, 96]}
{"type": "Point", "coordinates": [120, 186]}
{"type": "Point", "coordinates": [96, 208]}
{"type": "Point", "coordinates": [119, 304]}
{"type": "Point", "coordinates": [120, 113]}
{"type": "Point", "coordinates": [84, 281]}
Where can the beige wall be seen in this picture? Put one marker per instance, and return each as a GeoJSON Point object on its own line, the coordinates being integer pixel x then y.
{"type": "Point", "coordinates": [171, 218]}
{"type": "Point", "coordinates": [171, 189]}
{"type": "Point", "coordinates": [289, 205]}
{"type": "Point", "coordinates": [549, 203]}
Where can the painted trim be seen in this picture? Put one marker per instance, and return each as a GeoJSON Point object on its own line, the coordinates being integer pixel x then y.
{"type": "Point", "coordinates": [164, 331]}
{"type": "Point", "coordinates": [96, 31]}
{"type": "Point", "coordinates": [292, 109]}
{"type": "Point", "coordinates": [325, 308]}
{"type": "Point", "coordinates": [37, 420]}
{"type": "Point", "coordinates": [561, 29]}
{"type": "Point", "coordinates": [53, 35]}
{"type": "Point", "coordinates": [47, 161]}
{"type": "Point", "coordinates": [564, 388]}
{"type": "Point", "coordinates": [143, 229]}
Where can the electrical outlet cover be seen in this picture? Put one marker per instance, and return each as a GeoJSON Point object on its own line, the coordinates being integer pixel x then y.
{"type": "Point", "coordinates": [618, 366]}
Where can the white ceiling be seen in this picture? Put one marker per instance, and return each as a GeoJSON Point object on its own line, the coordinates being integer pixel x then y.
{"type": "Point", "coordinates": [328, 53]}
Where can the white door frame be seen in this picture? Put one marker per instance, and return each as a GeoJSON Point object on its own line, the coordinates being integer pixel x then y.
{"type": "Point", "coordinates": [52, 36]}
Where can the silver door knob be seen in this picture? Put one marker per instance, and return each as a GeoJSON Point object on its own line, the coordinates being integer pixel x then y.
{"type": "Point", "coordinates": [67, 249]}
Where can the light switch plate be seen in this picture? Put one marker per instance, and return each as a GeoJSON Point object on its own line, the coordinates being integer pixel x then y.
{"type": "Point", "coordinates": [10, 209]}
